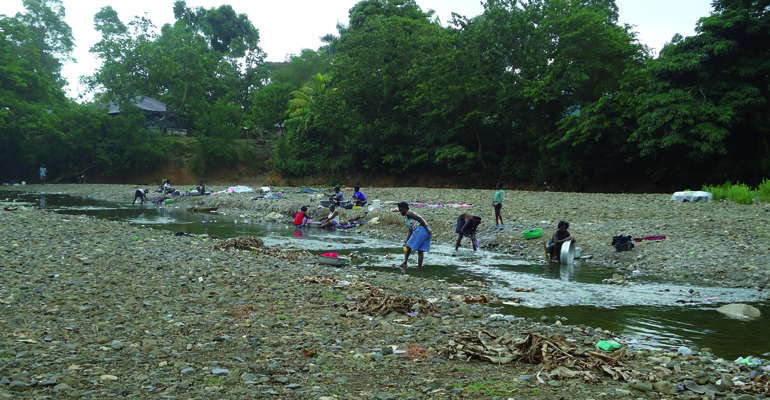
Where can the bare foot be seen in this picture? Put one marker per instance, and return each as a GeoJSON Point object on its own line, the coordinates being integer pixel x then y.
{"type": "Point", "coordinates": [403, 267]}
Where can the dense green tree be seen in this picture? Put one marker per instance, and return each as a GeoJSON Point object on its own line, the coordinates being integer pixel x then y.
{"type": "Point", "coordinates": [706, 116]}
{"type": "Point", "coordinates": [269, 104]}
{"type": "Point", "coordinates": [52, 35]}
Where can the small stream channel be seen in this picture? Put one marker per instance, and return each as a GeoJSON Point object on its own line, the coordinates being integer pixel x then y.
{"type": "Point", "coordinates": [649, 309]}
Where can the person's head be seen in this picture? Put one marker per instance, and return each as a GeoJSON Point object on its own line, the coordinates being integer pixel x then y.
{"type": "Point", "coordinates": [337, 189]}
{"type": "Point", "coordinates": [43, 165]}
{"type": "Point", "coordinates": [303, 208]}
{"type": "Point", "coordinates": [403, 207]}
{"type": "Point", "coordinates": [563, 225]}
{"type": "Point", "coordinates": [356, 189]}
{"type": "Point", "coordinates": [200, 183]}
{"type": "Point", "coordinates": [499, 185]}
{"type": "Point", "coordinates": [476, 220]}
{"type": "Point", "coordinates": [332, 208]}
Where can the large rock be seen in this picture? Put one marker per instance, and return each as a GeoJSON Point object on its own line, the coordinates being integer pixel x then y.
{"type": "Point", "coordinates": [739, 310]}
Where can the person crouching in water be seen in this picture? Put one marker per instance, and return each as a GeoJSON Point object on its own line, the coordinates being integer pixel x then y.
{"type": "Point", "coordinates": [559, 237]}
{"type": "Point", "coordinates": [417, 238]}
{"type": "Point", "coordinates": [466, 226]}
{"type": "Point", "coordinates": [332, 220]}
{"type": "Point", "coordinates": [140, 194]}
{"type": "Point", "coordinates": [302, 218]}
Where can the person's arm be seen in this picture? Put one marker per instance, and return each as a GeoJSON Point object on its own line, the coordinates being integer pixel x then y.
{"type": "Point", "coordinates": [420, 220]}
{"type": "Point", "coordinates": [408, 235]}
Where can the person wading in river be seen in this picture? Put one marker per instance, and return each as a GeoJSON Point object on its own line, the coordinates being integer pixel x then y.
{"type": "Point", "coordinates": [418, 237]}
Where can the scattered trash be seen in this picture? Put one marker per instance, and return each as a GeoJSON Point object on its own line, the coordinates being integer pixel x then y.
{"type": "Point", "coordinates": [608, 345]}
{"type": "Point", "coordinates": [622, 243]}
{"type": "Point", "coordinates": [692, 197]}
{"type": "Point", "coordinates": [637, 272]}
{"type": "Point", "coordinates": [709, 298]}
{"type": "Point", "coordinates": [329, 255]}
{"type": "Point", "coordinates": [749, 361]}
{"type": "Point", "coordinates": [739, 310]}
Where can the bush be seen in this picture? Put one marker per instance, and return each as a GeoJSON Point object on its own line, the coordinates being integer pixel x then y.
{"type": "Point", "coordinates": [739, 192]}
{"type": "Point", "coordinates": [763, 192]}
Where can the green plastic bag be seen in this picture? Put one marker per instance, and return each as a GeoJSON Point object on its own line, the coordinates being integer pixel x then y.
{"type": "Point", "coordinates": [608, 345]}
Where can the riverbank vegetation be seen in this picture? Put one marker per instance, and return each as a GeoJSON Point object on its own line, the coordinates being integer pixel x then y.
{"type": "Point", "coordinates": [556, 92]}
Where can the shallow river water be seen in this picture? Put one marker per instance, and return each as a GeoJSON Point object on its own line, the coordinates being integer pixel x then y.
{"type": "Point", "coordinates": [654, 311]}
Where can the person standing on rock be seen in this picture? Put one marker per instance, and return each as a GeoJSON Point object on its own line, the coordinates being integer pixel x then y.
{"type": "Point", "coordinates": [418, 236]}
{"type": "Point", "coordinates": [559, 237]}
{"type": "Point", "coordinates": [140, 194]}
{"type": "Point", "coordinates": [43, 172]}
{"type": "Point", "coordinates": [466, 226]}
{"type": "Point", "coordinates": [498, 205]}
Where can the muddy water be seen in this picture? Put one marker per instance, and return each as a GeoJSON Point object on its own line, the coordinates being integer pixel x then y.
{"type": "Point", "coordinates": [656, 312]}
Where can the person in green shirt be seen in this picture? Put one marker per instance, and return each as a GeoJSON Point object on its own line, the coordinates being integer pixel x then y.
{"type": "Point", "coordinates": [498, 205]}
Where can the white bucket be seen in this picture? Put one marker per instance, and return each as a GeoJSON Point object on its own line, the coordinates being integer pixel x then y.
{"type": "Point", "coordinates": [567, 255]}
{"type": "Point", "coordinates": [376, 203]}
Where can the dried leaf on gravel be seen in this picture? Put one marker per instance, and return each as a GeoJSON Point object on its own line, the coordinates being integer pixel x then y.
{"type": "Point", "coordinates": [249, 243]}
{"type": "Point", "coordinates": [331, 281]}
{"type": "Point", "coordinates": [482, 298]}
{"type": "Point", "coordinates": [561, 358]}
{"type": "Point", "coordinates": [376, 302]}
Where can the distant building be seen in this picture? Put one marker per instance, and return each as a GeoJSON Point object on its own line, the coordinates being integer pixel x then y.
{"type": "Point", "coordinates": [154, 113]}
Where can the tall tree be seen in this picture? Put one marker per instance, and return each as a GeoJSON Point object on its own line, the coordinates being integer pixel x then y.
{"type": "Point", "coordinates": [706, 117]}
{"type": "Point", "coordinates": [52, 35]}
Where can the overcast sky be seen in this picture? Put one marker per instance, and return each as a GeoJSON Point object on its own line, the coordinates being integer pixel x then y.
{"type": "Point", "coordinates": [288, 26]}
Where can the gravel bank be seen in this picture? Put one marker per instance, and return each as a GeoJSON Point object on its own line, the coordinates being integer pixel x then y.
{"type": "Point", "coordinates": [725, 243]}
{"type": "Point", "coordinates": [94, 309]}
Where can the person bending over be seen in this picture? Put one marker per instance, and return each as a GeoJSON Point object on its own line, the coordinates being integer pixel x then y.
{"type": "Point", "coordinates": [140, 194]}
{"type": "Point", "coordinates": [466, 226]}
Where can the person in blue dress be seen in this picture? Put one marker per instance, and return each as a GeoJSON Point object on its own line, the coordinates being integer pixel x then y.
{"type": "Point", "coordinates": [418, 236]}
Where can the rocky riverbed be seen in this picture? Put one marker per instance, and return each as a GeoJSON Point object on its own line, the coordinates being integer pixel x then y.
{"type": "Point", "coordinates": [725, 244]}
{"type": "Point", "coordinates": [96, 309]}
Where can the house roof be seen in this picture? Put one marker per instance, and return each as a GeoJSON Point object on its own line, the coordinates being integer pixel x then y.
{"type": "Point", "coordinates": [145, 103]}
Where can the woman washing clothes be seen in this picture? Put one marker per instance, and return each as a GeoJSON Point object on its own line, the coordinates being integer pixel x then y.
{"type": "Point", "coordinates": [557, 240]}
{"type": "Point", "coordinates": [332, 220]}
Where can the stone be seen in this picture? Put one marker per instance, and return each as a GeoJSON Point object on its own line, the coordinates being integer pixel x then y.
{"type": "Point", "coordinates": [17, 386]}
{"type": "Point", "coordinates": [643, 386]}
{"type": "Point", "coordinates": [525, 377]}
{"type": "Point", "coordinates": [62, 386]}
{"type": "Point", "coordinates": [220, 372]}
{"type": "Point", "coordinates": [187, 371]}
{"type": "Point", "coordinates": [726, 383]}
{"type": "Point", "coordinates": [665, 387]}
{"type": "Point", "coordinates": [117, 344]}
{"type": "Point", "coordinates": [555, 383]}
{"type": "Point", "coordinates": [386, 350]}
{"type": "Point", "coordinates": [739, 310]}
{"type": "Point", "coordinates": [109, 378]}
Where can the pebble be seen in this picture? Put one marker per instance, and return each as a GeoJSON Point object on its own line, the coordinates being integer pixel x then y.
{"type": "Point", "coordinates": [220, 372]}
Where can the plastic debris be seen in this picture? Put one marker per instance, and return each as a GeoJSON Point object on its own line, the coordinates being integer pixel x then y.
{"type": "Point", "coordinates": [608, 345]}
{"type": "Point", "coordinates": [749, 361]}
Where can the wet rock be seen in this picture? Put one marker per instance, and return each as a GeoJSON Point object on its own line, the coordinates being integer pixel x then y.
{"type": "Point", "coordinates": [739, 310]}
{"type": "Point", "coordinates": [643, 386]}
{"type": "Point", "coordinates": [665, 387]}
{"type": "Point", "coordinates": [187, 371]}
{"type": "Point", "coordinates": [220, 372]}
{"type": "Point", "coordinates": [17, 386]}
{"type": "Point", "coordinates": [117, 345]}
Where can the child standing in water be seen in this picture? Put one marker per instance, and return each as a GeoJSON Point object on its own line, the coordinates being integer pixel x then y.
{"type": "Point", "coordinates": [559, 237]}
{"type": "Point", "coordinates": [498, 205]}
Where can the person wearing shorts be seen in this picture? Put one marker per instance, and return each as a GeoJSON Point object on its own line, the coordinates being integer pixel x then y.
{"type": "Point", "coordinates": [466, 226]}
{"type": "Point", "coordinates": [498, 205]}
{"type": "Point", "coordinates": [418, 236]}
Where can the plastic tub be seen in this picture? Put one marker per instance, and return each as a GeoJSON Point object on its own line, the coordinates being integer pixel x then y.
{"type": "Point", "coordinates": [168, 201]}
{"type": "Point", "coordinates": [532, 233]}
{"type": "Point", "coordinates": [567, 255]}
